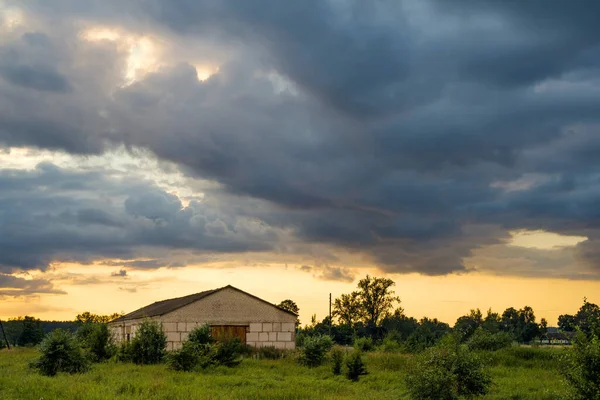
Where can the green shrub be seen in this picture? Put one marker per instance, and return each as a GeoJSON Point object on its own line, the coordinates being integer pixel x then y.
{"type": "Point", "coordinates": [60, 352]}
{"type": "Point", "coordinates": [270, 353]}
{"type": "Point", "coordinates": [355, 366]}
{"type": "Point", "coordinates": [149, 343]}
{"type": "Point", "coordinates": [184, 359]}
{"type": "Point", "coordinates": [228, 352]}
{"type": "Point", "coordinates": [314, 350]}
{"type": "Point", "coordinates": [201, 335]}
{"type": "Point", "coordinates": [337, 356]}
{"type": "Point", "coordinates": [97, 340]}
{"type": "Point", "coordinates": [363, 344]}
{"type": "Point", "coordinates": [447, 372]}
{"type": "Point", "coordinates": [392, 342]}
{"type": "Point", "coordinates": [484, 340]}
{"type": "Point", "coordinates": [581, 368]}
{"type": "Point", "coordinates": [124, 352]}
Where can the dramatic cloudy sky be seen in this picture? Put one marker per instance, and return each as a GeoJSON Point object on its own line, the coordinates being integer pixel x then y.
{"type": "Point", "coordinates": [154, 148]}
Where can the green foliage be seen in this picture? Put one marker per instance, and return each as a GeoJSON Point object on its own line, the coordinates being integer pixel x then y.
{"type": "Point", "coordinates": [467, 324]}
{"type": "Point", "coordinates": [447, 372]}
{"type": "Point", "coordinates": [228, 352]}
{"type": "Point", "coordinates": [484, 340]}
{"type": "Point", "coordinates": [60, 352]}
{"type": "Point", "coordinates": [149, 343]}
{"type": "Point", "coordinates": [581, 368]}
{"type": "Point", "coordinates": [521, 324]}
{"type": "Point", "coordinates": [337, 357]}
{"type": "Point", "coordinates": [201, 335]}
{"type": "Point", "coordinates": [97, 340]}
{"type": "Point", "coordinates": [89, 318]}
{"type": "Point", "coordinates": [392, 342]}
{"type": "Point", "coordinates": [364, 344]}
{"type": "Point", "coordinates": [32, 332]}
{"type": "Point", "coordinates": [314, 350]}
{"type": "Point", "coordinates": [426, 335]}
{"type": "Point", "coordinates": [290, 305]}
{"type": "Point", "coordinates": [270, 353]}
{"type": "Point", "coordinates": [348, 308]}
{"type": "Point", "coordinates": [587, 320]}
{"type": "Point", "coordinates": [124, 352]}
{"type": "Point", "coordinates": [537, 379]}
{"type": "Point", "coordinates": [184, 359]}
{"type": "Point", "coordinates": [355, 366]}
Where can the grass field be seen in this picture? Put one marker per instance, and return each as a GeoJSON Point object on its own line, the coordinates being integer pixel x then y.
{"type": "Point", "coordinates": [518, 373]}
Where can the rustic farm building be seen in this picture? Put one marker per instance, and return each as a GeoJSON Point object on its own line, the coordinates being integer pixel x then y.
{"type": "Point", "coordinates": [228, 310]}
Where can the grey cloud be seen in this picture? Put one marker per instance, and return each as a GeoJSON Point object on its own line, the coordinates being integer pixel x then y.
{"type": "Point", "coordinates": [15, 286]}
{"type": "Point", "coordinates": [398, 121]}
{"type": "Point", "coordinates": [39, 221]}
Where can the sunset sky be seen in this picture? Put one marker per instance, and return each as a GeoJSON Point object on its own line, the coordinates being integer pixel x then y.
{"type": "Point", "coordinates": [155, 148]}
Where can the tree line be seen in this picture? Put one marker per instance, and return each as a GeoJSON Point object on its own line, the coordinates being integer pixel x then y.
{"type": "Point", "coordinates": [30, 331]}
{"type": "Point", "coordinates": [373, 311]}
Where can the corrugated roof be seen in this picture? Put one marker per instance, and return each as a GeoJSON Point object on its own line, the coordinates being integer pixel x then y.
{"type": "Point", "coordinates": [166, 306]}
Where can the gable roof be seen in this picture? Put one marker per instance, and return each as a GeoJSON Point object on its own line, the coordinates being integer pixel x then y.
{"type": "Point", "coordinates": [166, 306]}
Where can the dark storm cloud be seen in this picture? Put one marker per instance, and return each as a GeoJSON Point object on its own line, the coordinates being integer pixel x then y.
{"type": "Point", "coordinates": [40, 221]}
{"type": "Point", "coordinates": [391, 129]}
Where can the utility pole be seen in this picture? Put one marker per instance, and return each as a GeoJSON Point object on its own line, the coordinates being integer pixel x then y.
{"type": "Point", "coordinates": [330, 314]}
{"type": "Point", "coordinates": [4, 334]}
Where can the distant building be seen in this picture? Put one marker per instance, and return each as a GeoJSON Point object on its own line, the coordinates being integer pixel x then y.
{"type": "Point", "coordinates": [556, 337]}
{"type": "Point", "coordinates": [228, 310]}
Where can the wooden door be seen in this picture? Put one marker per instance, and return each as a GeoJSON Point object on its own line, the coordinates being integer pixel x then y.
{"type": "Point", "coordinates": [225, 332]}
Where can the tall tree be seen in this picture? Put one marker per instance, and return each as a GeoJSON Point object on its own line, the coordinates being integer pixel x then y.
{"type": "Point", "coordinates": [376, 299]}
{"type": "Point", "coordinates": [32, 332]}
{"type": "Point", "coordinates": [492, 322]}
{"type": "Point", "coordinates": [290, 305]}
{"type": "Point", "coordinates": [347, 309]}
{"type": "Point", "coordinates": [467, 324]}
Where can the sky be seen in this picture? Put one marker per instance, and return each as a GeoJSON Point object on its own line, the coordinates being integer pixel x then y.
{"type": "Point", "coordinates": [155, 148]}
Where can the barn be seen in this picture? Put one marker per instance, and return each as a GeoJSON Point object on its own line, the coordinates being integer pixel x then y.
{"type": "Point", "coordinates": [228, 310]}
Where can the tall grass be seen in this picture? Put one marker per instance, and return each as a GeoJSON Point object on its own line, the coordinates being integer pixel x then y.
{"type": "Point", "coordinates": [517, 374]}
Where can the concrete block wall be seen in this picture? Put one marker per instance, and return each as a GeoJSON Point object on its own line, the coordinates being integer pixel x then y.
{"type": "Point", "coordinates": [281, 335]}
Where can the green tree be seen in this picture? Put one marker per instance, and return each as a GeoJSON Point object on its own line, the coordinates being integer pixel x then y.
{"type": "Point", "coordinates": [492, 322]}
{"type": "Point", "coordinates": [88, 317]}
{"type": "Point", "coordinates": [581, 368]}
{"type": "Point", "coordinates": [290, 305]}
{"type": "Point", "coordinates": [376, 299]}
{"type": "Point", "coordinates": [32, 332]}
{"type": "Point", "coordinates": [467, 324]}
{"type": "Point", "coordinates": [149, 343]}
{"type": "Point", "coordinates": [348, 309]}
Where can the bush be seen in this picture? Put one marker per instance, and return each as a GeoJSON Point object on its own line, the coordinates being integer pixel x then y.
{"type": "Point", "coordinates": [149, 343]}
{"type": "Point", "coordinates": [447, 372]}
{"type": "Point", "coordinates": [184, 359]}
{"type": "Point", "coordinates": [392, 342]}
{"type": "Point", "coordinates": [228, 352]}
{"type": "Point", "coordinates": [60, 352]}
{"type": "Point", "coordinates": [124, 352]}
{"type": "Point", "coordinates": [97, 340]}
{"type": "Point", "coordinates": [337, 356]}
{"type": "Point", "coordinates": [355, 366]}
{"type": "Point", "coordinates": [201, 335]}
{"type": "Point", "coordinates": [582, 368]}
{"type": "Point", "coordinates": [484, 340]}
{"type": "Point", "coordinates": [363, 344]}
{"type": "Point", "coordinates": [270, 353]}
{"type": "Point", "coordinates": [314, 350]}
